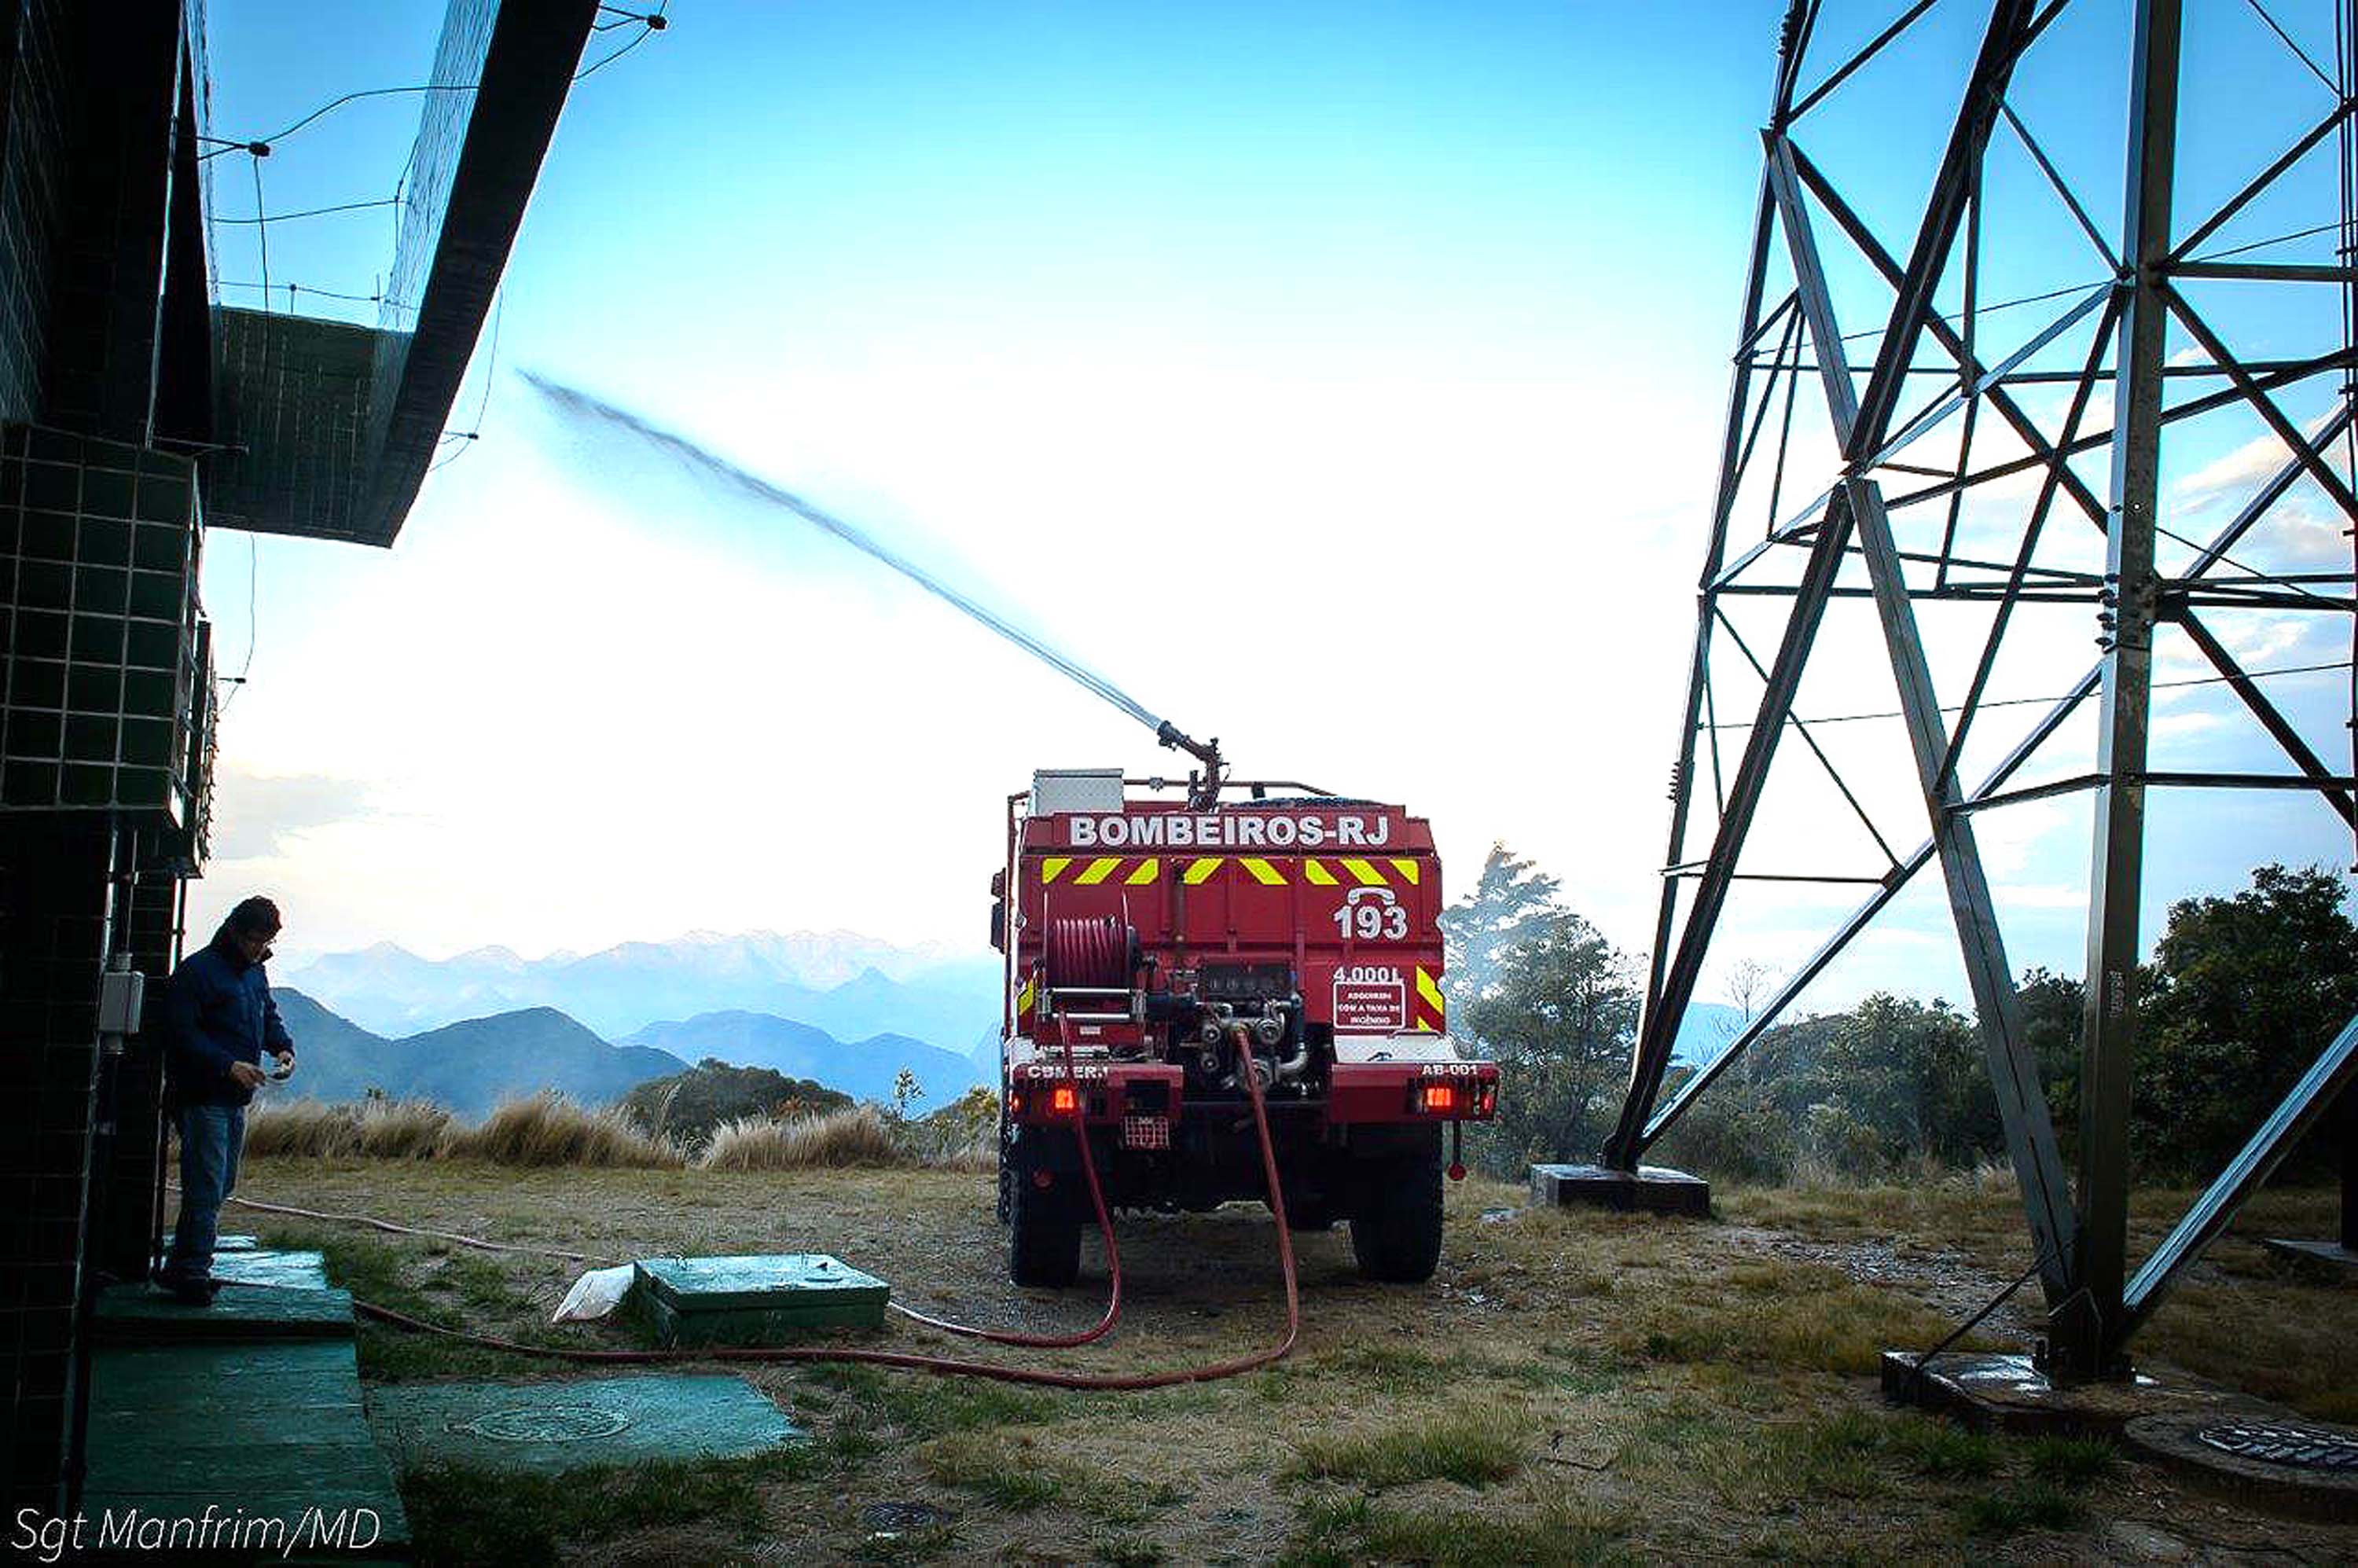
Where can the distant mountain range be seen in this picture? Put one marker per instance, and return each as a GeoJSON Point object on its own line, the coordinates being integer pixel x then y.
{"type": "Point", "coordinates": [472, 1065]}
{"type": "Point", "coordinates": [864, 1069]}
{"type": "Point", "coordinates": [469, 1067]}
{"type": "Point", "coordinates": [851, 986]}
{"type": "Point", "coordinates": [845, 1010]}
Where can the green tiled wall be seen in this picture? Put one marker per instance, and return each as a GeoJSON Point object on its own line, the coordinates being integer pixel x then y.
{"type": "Point", "coordinates": [98, 560]}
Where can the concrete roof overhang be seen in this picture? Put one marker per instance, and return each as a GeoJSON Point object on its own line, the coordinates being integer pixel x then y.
{"type": "Point", "coordinates": [325, 429]}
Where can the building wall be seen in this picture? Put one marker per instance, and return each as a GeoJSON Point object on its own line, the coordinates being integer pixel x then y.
{"type": "Point", "coordinates": [101, 674]}
{"type": "Point", "coordinates": [32, 135]}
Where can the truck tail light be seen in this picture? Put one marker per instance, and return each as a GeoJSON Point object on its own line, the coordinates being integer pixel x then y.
{"type": "Point", "coordinates": [1063, 1099]}
{"type": "Point", "coordinates": [1454, 1098]}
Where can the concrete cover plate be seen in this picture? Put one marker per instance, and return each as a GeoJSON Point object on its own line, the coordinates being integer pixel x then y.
{"type": "Point", "coordinates": [560, 1426]}
{"type": "Point", "coordinates": [775, 1280]}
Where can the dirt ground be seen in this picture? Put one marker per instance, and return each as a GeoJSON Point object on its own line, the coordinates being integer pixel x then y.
{"type": "Point", "coordinates": [1571, 1386]}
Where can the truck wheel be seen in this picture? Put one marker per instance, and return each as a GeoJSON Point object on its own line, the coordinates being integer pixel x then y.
{"type": "Point", "coordinates": [1044, 1241]}
{"type": "Point", "coordinates": [1396, 1228]}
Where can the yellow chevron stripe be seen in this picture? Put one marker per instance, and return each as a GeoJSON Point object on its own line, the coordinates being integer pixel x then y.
{"type": "Point", "coordinates": [1316, 874]}
{"type": "Point", "coordinates": [1024, 997]}
{"type": "Point", "coordinates": [1264, 873]}
{"type": "Point", "coordinates": [1366, 873]}
{"type": "Point", "coordinates": [1409, 869]}
{"type": "Point", "coordinates": [1053, 866]}
{"type": "Point", "coordinates": [1197, 871]}
{"type": "Point", "coordinates": [1148, 869]}
{"type": "Point", "coordinates": [1097, 870]}
{"type": "Point", "coordinates": [1431, 995]}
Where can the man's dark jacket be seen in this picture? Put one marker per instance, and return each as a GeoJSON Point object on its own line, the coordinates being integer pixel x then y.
{"type": "Point", "coordinates": [221, 1013]}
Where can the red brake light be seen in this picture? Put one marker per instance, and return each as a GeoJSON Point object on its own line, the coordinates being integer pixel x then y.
{"type": "Point", "coordinates": [1063, 1099]}
{"type": "Point", "coordinates": [1439, 1098]}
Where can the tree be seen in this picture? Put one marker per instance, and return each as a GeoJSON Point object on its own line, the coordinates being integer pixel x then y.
{"type": "Point", "coordinates": [1549, 999]}
{"type": "Point", "coordinates": [1511, 901]}
{"type": "Point", "coordinates": [2242, 994]}
{"type": "Point", "coordinates": [1910, 1076]}
{"type": "Point", "coordinates": [2050, 1027]}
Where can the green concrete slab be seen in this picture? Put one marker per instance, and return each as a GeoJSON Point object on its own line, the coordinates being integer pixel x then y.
{"type": "Point", "coordinates": [143, 1315]}
{"type": "Point", "coordinates": [554, 1427]}
{"type": "Point", "coordinates": [257, 1430]}
{"type": "Point", "coordinates": [758, 1300]}
{"type": "Point", "coordinates": [287, 1271]}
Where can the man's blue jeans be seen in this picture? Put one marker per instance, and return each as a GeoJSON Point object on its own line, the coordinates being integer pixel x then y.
{"type": "Point", "coordinates": [211, 1136]}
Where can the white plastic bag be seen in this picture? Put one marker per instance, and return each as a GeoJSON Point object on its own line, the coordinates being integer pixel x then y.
{"type": "Point", "coordinates": [595, 1294]}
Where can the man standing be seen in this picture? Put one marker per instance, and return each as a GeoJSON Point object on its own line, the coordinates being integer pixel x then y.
{"type": "Point", "coordinates": [223, 1024]}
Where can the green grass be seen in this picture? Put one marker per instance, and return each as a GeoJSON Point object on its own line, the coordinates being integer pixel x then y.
{"type": "Point", "coordinates": [1474, 1445]}
{"type": "Point", "coordinates": [1801, 1316]}
{"type": "Point", "coordinates": [2071, 1462]}
{"type": "Point", "coordinates": [1944, 1450]}
{"type": "Point", "coordinates": [1004, 1472]}
{"type": "Point", "coordinates": [928, 1407]}
{"type": "Point", "coordinates": [502, 1520]}
{"type": "Point", "coordinates": [1559, 1530]}
{"type": "Point", "coordinates": [2019, 1506]}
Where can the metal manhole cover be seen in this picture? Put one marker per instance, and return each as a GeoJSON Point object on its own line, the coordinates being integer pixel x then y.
{"type": "Point", "coordinates": [2282, 1443]}
{"type": "Point", "coordinates": [545, 1423]}
{"type": "Point", "coordinates": [894, 1518]}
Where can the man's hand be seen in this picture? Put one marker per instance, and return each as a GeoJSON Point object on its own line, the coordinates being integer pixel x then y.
{"type": "Point", "coordinates": [245, 1075]}
{"type": "Point", "coordinates": [286, 1060]}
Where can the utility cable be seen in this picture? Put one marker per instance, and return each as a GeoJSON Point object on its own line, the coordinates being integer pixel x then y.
{"type": "Point", "coordinates": [261, 234]}
{"type": "Point", "coordinates": [373, 1223]}
{"type": "Point", "coordinates": [2031, 701]}
{"type": "Point", "coordinates": [650, 24]}
{"type": "Point", "coordinates": [294, 288]}
{"type": "Point", "coordinates": [466, 438]}
{"type": "Point", "coordinates": [308, 211]}
{"type": "Point", "coordinates": [262, 146]}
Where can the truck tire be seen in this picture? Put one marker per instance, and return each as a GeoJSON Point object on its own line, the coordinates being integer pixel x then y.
{"type": "Point", "coordinates": [1396, 1223]}
{"type": "Point", "coordinates": [1044, 1240]}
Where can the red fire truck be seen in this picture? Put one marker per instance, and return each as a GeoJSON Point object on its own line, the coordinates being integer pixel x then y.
{"type": "Point", "coordinates": [1171, 944]}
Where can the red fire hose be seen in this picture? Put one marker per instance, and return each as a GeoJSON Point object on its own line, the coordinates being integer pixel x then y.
{"type": "Point", "coordinates": [1105, 1228]}
{"type": "Point", "coordinates": [942, 1366]}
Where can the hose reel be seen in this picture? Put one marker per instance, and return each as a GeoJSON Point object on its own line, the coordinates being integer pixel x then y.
{"type": "Point", "coordinates": [1095, 953]}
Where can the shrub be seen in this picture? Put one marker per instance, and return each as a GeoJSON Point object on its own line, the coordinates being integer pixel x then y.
{"type": "Point", "coordinates": [688, 1107]}
{"type": "Point", "coordinates": [960, 1136]}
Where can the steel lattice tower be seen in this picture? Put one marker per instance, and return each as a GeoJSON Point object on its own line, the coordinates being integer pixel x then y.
{"type": "Point", "coordinates": [1897, 438]}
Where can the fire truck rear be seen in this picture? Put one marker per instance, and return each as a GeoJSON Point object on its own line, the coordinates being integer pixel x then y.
{"type": "Point", "coordinates": [1172, 946]}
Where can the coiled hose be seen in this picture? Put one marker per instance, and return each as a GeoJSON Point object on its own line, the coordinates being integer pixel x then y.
{"type": "Point", "coordinates": [1088, 952]}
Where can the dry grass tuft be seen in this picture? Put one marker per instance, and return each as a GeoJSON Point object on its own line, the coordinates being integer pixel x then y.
{"type": "Point", "coordinates": [840, 1138]}
{"type": "Point", "coordinates": [378, 1128]}
{"type": "Point", "coordinates": [551, 1130]}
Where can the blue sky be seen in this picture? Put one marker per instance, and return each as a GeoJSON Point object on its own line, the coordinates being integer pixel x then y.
{"type": "Point", "coordinates": [1341, 380]}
